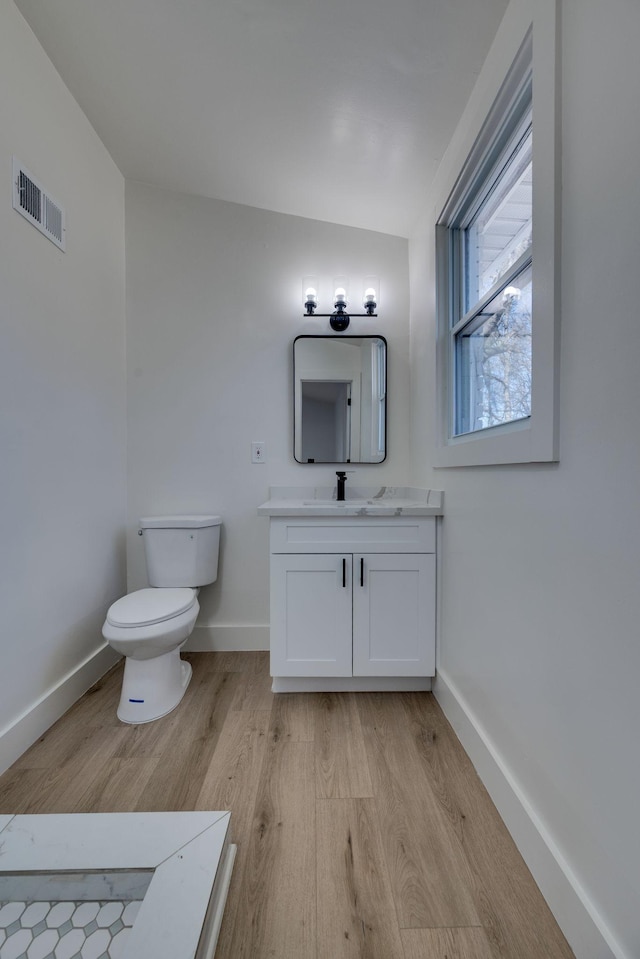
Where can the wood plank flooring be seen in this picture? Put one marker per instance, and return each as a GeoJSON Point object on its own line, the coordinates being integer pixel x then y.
{"type": "Point", "coordinates": [363, 831]}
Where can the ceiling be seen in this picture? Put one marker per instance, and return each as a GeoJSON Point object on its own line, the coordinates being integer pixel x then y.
{"type": "Point", "coordinates": [338, 110]}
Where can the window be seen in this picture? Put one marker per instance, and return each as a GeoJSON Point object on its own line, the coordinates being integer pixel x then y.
{"type": "Point", "coordinates": [491, 339]}
{"type": "Point", "coordinates": [496, 298]}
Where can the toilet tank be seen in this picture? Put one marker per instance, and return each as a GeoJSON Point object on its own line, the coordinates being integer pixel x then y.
{"type": "Point", "coordinates": [181, 550]}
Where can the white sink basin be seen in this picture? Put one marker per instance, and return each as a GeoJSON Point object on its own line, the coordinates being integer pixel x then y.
{"type": "Point", "coordinates": [335, 502]}
{"type": "Point", "coordinates": [362, 501]}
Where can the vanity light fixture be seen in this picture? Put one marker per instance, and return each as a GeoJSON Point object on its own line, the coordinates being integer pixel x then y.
{"type": "Point", "coordinates": [310, 294]}
{"type": "Point", "coordinates": [369, 301]}
{"type": "Point", "coordinates": [339, 320]}
{"type": "Point", "coordinates": [371, 286]}
{"type": "Point", "coordinates": [311, 301]}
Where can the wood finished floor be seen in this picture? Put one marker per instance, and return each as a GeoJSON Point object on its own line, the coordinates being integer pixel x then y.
{"type": "Point", "coordinates": [363, 831]}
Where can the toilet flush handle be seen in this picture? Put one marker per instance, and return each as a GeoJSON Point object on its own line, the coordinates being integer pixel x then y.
{"type": "Point", "coordinates": [139, 532]}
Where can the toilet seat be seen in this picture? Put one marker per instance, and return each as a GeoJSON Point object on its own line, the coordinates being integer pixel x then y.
{"type": "Point", "coordinates": [147, 607]}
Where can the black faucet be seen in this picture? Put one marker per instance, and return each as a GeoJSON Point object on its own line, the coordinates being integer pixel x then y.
{"type": "Point", "coordinates": [342, 479]}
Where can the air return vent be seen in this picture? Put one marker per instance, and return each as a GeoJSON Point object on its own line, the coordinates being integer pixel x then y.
{"type": "Point", "coordinates": [37, 206]}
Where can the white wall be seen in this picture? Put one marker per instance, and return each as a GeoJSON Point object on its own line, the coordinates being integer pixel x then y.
{"type": "Point", "coordinates": [214, 301]}
{"type": "Point", "coordinates": [539, 650]}
{"type": "Point", "coordinates": [62, 407]}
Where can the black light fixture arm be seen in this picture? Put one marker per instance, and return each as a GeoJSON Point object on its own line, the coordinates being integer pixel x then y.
{"type": "Point", "coordinates": [339, 321]}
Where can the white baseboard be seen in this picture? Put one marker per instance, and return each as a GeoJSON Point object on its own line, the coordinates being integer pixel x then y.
{"type": "Point", "coordinates": [206, 639]}
{"type": "Point", "coordinates": [350, 684]}
{"type": "Point", "coordinates": [23, 731]}
{"type": "Point", "coordinates": [583, 926]}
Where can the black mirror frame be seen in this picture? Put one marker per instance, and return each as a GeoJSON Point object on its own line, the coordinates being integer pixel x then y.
{"type": "Point", "coordinates": [356, 336]}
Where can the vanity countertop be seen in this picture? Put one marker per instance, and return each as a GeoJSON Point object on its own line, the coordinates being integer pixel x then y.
{"type": "Point", "coordinates": [359, 501]}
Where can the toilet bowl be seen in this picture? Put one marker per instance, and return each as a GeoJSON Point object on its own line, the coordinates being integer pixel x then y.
{"type": "Point", "coordinates": [149, 626]}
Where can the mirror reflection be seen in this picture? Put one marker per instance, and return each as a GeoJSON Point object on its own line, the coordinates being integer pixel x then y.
{"type": "Point", "coordinates": [340, 399]}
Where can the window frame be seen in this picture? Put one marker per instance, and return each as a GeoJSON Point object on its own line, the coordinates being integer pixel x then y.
{"type": "Point", "coordinates": [532, 39]}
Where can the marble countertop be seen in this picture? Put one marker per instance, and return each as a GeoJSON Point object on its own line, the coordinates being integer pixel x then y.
{"type": "Point", "coordinates": [359, 501]}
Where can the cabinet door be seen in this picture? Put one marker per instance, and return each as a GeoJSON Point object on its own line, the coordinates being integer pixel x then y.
{"type": "Point", "coordinates": [311, 615]}
{"type": "Point", "coordinates": [394, 614]}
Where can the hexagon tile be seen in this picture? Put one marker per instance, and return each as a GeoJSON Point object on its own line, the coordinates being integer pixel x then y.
{"type": "Point", "coordinates": [65, 930]}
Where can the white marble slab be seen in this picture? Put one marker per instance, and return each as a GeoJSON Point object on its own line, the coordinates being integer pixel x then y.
{"type": "Point", "coordinates": [189, 855]}
{"type": "Point", "coordinates": [4, 821]}
{"type": "Point", "coordinates": [359, 501]}
{"type": "Point", "coordinates": [74, 886]}
{"type": "Point", "coordinates": [87, 841]}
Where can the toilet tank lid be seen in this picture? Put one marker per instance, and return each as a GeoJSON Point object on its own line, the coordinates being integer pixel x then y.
{"type": "Point", "coordinates": [190, 521]}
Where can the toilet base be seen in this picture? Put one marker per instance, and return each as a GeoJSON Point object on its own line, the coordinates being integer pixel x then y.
{"type": "Point", "coordinates": [151, 688]}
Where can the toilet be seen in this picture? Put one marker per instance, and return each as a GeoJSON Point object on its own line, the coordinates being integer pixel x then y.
{"type": "Point", "coordinates": [150, 626]}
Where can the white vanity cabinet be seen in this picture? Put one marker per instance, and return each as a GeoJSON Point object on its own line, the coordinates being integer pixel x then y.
{"type": "Point", "coordinates": [353, 597]}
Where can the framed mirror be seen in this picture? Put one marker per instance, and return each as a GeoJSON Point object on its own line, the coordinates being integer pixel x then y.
{"type": "Point", "coordinates": [340, 399]}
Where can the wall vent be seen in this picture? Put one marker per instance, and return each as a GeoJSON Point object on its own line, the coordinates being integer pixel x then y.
{"type": "Point", "coordinates": [37, 206]}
